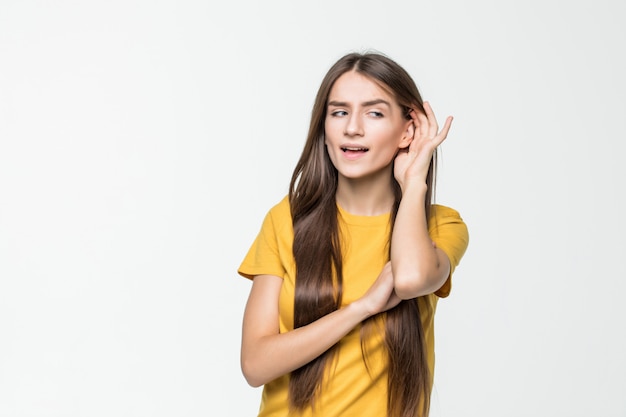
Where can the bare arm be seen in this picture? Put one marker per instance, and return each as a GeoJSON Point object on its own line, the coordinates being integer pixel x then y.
{"type": "Point", "coordinates": [267, 354]}
{"type": "Point", "coordinates": [418, 266]}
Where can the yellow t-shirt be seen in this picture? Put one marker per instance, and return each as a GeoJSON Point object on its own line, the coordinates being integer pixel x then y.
{"type": "Point", "coordinates": [349, 388]}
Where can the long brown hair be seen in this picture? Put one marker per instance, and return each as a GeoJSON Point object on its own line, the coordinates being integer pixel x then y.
{"type": "Point", "coordinates": [317, 250]}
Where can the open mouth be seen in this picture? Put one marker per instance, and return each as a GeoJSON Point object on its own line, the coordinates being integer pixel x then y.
{"type": "Point", "coordinates": [351, 149]}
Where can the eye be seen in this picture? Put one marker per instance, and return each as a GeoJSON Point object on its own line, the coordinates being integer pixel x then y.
{"type": "Point", "coordinates": [338, 113]}
{"type": "Point", "coordinates": [376, 114]}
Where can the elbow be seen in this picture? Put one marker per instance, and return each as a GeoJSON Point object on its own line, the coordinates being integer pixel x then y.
{"type": "Point", "coordinates": [254, 383]}
{"type": "Point", "coordinates": [416, 283]}
{"type": "Point", "coordinates": [408, 286]}
{"type": "Point", "coordinates": [251, 373]}
{"type": "Point", "coordinates": [415, 280]}
{"type": "Point", "coordinates": [252, 379]}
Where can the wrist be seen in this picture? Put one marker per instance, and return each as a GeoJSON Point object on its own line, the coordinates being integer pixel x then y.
{"type": "Point", "coordinates": [416, 187]}
{"type": "Point", "coordinates": [360, 309]}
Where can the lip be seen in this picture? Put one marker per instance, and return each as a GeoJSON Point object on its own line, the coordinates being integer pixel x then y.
{"type": "Point", "coordinates": [353, 145]}
{"type": "Point", "coordinates": [353, 151]}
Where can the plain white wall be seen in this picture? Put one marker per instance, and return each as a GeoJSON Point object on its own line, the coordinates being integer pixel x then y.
{"type": "Point", "coordinates": [141, 144]}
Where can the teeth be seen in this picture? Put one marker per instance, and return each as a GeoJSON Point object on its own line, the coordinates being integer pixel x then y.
{"type": "Point", "coordinates": [355, 149]}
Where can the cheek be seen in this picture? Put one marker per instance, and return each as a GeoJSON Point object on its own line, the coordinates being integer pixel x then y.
{"type": "Point", "coordinates": [331, 133]}
{"type": "Point", "coordinates": [327, 130]}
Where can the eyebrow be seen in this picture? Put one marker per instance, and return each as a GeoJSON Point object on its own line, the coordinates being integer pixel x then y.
{"type": "Point", "coordinates": [364, 104]}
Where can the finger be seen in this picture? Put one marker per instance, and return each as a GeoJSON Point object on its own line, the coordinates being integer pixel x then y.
{"type": "Point", "coordinates": [393, 301]}
{"type": "Point", "coordinates": [421, 124]}
{"type": "Point", "coordinates": [432, 120]}
{"type": "Point", "coordinates": [444, 131]}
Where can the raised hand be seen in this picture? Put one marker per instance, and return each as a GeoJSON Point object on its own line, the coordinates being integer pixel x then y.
{"type": "Point", "coordinates": [411, 163]}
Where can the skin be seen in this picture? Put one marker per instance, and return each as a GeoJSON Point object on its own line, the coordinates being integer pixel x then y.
{"type": "Point", "coordinates": [419, 267]}
{"type": "Point", "coordinates": [361, 114]}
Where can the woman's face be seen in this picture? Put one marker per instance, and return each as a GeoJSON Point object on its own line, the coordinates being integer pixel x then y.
{"type": "Point", "coordinates": [364, 127]}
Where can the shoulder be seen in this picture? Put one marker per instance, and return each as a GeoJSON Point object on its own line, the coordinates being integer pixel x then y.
{"type": "Point", "coordinates": [440, 214]}
{"type": "Point", "coordinates": [281, 211]}
{"type": "Point", "coordinates": [282, 207]}
{"type": "Point", "coordinates": [438, 210]}
{"type": "Point", "coordinates": [280, 215]}
{"type": "Point", "coordinates": [446, 223]}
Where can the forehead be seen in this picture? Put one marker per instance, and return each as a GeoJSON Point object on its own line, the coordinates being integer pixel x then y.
{"type": "Point", "coordinates": [355, 87]}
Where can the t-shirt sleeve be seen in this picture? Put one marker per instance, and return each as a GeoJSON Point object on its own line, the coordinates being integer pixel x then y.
{"type": "Point", "coordinates": [449, 232]}
{"type": "Point", "coordinates": [263, 256]}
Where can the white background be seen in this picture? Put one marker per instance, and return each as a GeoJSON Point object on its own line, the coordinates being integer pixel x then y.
{"type": "Point", "coordinates": [142, 142]}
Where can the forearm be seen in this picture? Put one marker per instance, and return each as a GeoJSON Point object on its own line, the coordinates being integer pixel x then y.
{"type": "Point", "coordinates": [416, 263]}
{"type": "Point", "coordinates": [267, 357]}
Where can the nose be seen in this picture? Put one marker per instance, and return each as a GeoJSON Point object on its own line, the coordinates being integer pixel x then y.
{"type": "Point", "coordinates": [354, 126]}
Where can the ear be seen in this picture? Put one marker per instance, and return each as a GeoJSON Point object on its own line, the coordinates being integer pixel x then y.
{"type": "Point", "coordinates": [407, 135]}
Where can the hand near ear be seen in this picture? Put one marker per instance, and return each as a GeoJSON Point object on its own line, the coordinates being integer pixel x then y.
{"type": "Point", "coordinates": [411, 163]}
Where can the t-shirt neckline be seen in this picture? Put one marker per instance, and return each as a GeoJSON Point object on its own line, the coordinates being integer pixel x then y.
{"type": "Point", "coordinates": [361, 220]}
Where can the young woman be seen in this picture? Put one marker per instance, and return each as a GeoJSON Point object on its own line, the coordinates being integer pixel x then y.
{"type": "Point", "coordinates": [347, 269]}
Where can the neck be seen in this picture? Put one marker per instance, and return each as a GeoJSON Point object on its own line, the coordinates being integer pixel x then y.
{"type": "Point", "coordinates": [365, 196]}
